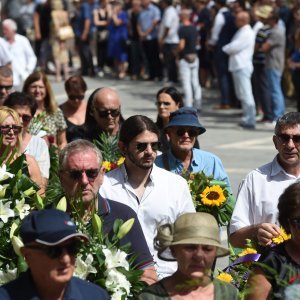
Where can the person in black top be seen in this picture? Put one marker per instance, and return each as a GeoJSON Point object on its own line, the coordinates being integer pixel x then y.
{"type": "Point", "coordinates": [74, 109]}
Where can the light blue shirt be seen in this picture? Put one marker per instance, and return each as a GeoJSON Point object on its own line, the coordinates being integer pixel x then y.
{"type": "Point", "coordinates": [204, 161]}
{"type": "Point", "coordinates": [146, 18]}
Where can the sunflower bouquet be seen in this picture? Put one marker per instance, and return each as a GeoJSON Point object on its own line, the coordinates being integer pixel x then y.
{"type": "Point", "coordinates": [211, 196]}
{"type": "Point", "coordinates": [108, 145]}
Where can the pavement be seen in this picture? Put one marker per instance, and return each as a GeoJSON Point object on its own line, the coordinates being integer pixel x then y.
{"type": "Point", "coordinates": [240, 150]}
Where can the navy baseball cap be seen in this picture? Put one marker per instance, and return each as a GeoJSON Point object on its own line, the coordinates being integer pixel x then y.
{"type": "Point", "coordinates": [49, 227]}
{"type": "Point", "coordinates": [185, 116]}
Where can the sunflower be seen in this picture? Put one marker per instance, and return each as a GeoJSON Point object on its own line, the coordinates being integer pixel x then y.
{"type": "Point", "coordinates": [283, 236]}
{"type": "Point", "coordinates": [213, 196]}
{"type": "Point", "coordinates": [225, 277]}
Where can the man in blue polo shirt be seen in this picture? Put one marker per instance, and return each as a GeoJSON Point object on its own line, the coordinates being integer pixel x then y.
{"type": "Point", "coordinates": [81, 173]}
{"type": "Point", "coordinates": [51, 243]}
{"type": "Point", "coordinates": [183, 130]}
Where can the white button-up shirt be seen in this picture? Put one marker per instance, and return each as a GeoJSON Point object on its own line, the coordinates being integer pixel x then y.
{"type": "Point", "coordinates": [165, 198]}
{"type": "Point", "coordinates": [240, 49]}
{"type": "Point", "coordinates": [258, 196]}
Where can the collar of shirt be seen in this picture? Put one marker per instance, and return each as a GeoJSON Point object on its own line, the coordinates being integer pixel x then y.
{"type": "Point", "coordinates": [276, 168]}
{"type": "Point", "coordinates": [103, 206]}
{"type": "Point", "coordinates": [176, 164]}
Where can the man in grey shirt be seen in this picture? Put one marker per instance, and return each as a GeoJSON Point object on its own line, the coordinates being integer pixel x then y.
{"type": "Point", "coordinates": [274, 48]}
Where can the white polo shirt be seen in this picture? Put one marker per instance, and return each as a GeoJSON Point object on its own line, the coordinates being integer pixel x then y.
{"type": "Point", "coordinates": [258, 196]}
{"type": "Point", "coordinates": [165, 198]}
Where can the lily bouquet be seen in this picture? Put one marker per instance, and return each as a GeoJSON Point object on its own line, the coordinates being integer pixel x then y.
{"type": "Point", "coordinates": [104, 261]}
{"type": "Point", "coordinates": [211, 196]}
{"type": "Point", "coordinates": [18, 196]}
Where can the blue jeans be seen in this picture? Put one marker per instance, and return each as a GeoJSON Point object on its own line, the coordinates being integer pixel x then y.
{"type": "Point", "coordinates": [190, 82]}
{"type": "Point", "coordinates": [278, 105]}
{"type": "Point", "coordinates": [243, 91]}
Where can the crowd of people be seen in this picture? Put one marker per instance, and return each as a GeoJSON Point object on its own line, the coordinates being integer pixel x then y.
{"type": "Point", "coordinates": [250, 48]}
{"type": "Point", "coordinates": [173, 243]}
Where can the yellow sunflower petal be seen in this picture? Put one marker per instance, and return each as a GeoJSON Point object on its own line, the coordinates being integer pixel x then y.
{"type": "Point", "coordinates": [213, 196]}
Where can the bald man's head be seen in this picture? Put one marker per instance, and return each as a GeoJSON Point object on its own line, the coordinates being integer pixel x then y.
{"type": "Point", "coordinates": [106, 109]}
{"type": "Point", "coordinates": [242, 19]}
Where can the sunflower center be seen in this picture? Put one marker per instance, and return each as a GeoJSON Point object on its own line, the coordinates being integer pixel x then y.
{"type": "Point", "coordinates": [213, 195]}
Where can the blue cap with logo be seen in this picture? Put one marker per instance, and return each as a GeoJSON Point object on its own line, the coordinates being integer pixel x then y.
{"type": "Point", "coordinates": [185, 116]}
{"type": "Point", "coordinates": [49, 227]}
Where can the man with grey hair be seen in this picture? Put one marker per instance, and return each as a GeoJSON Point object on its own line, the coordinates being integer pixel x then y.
{"type": "Point", "coordinates": [255, 212]}
{"type": "Point", "coordinates": [81, 176]}
{"type": "Point", "coordinates": [23, 57]}
{"type": "Point", "coordinates": [6, 82]}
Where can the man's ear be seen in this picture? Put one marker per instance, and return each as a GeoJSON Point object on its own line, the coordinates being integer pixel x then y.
{"type": "Point", "coordinates": [275, 141]}
{"type": "Point", "coordinates": [122, 147]}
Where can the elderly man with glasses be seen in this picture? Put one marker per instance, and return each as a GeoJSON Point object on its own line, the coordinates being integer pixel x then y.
{"type": "Point", "coordinates": [255, 213]}
{"type": "Point", "coordinates": [103, 113]}
{"type": "Point", "coordinates": [183, 130]}
{"type": "Point", "coordinates": [81, 176]}
{"type": "Point", "coordinates": [51, 243]}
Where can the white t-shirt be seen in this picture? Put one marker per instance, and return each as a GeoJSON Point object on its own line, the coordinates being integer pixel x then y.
{"type": "Point", "coordinates": [38, 148]}
{"type": "Point", "coordinates": [170, 20]}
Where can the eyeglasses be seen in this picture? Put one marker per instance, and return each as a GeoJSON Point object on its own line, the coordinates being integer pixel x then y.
{"type": "Point", "coordinates": [6, 87]}
{"type": "Point", "coordinates": [77, 174]}
{"type": "Point", "coordinates": [158, 103]}
{"type": "Point", "coordinates": [5, 129]}
{"type": "Point", "coordinates": [285, 138]}
{"type": "Point", "coordinates": [75, 97]}
{"type": "Point", "coordinates": [191, 132]}
{"type": "Point", "coordinates": [105, 113]}
{"type": "Point", "coordinates": [25, 118]}
{"type": "Point", "coordinates": [54, 252]}
{"type": "Point", "coordinates": [295, 222]}
{"type": "Point", "coordinates": [143, 146]}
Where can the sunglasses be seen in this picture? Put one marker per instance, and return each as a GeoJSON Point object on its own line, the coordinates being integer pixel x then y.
{"type": "Point", "coordinates": [75, 97]}
{"type": "Point", "coordinates": [25, 118]}
{"type": "Point", "coordinates": [191, 132]}
{"type": "Point", "coordinates": [54, 252]}
{"type": "Point", "coordinates": [285, 138]}
{"type": "Point", "coordinates": [163, 103]}
{"type": "Point", "coordinates": [6, 87]}
{"type": "Point", "coordinates": [105, 113]}
{"type": "Point", "coordinates": [143, 146]}
{"type": "Point", "coordinates": [5, 129]}
{"type": "Point", "coordinates": [77, 174]}
{"type": "Point", "coordinates": [295, 222]}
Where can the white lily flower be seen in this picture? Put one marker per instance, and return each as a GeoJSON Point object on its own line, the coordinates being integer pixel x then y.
{"type": "Point", "coordinates": [115, 258]}
{"type": "Point", "coordinates": [3, 190]}
{"type": "Point", "coordinates": [115, 280]}
{"type": "Point", "coordinates": [84, 268]}
{"type": "Point", "coordinates": [3, 174]}
{"type": "Point", "coordinates": [22, 208]}
{"type": "Point", "coordinates": [117, 295]}
{"type": "Point", "coordinates": [5, 211]}
{"type": "Point", "coordinates": [8, 276]}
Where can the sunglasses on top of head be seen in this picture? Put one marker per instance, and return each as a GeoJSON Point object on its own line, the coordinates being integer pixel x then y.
{"type": "Point", "coordinates": [54, 252]}
{"type": "Point", "coordinates": [5, 129]}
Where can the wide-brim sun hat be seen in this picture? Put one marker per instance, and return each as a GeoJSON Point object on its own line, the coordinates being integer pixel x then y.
{"type": "Point", "coordinates": [185, 116]}
{"type": "Point", "coordinates": [264, 11]}
{"type": "Point", "coordinates": [190, 228]}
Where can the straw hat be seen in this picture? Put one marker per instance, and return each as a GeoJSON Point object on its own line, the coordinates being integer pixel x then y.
{"type": "Point", "coordinates": [190, 228]}
{"type": "Point", "coordinates": [264, 11]}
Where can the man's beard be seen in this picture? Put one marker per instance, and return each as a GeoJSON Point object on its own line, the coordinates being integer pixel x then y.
{"type": "Point", "coordinates": [144, 166]}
